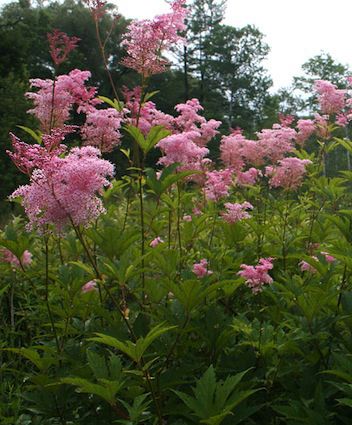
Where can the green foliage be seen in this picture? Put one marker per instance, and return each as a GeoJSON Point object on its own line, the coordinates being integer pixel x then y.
{"type": "Point", "coordinates": [134, 350]}
{"type": "Point", "coordinates": [113, 323]}
{"type": "Point", "coordinates": [212, 400]}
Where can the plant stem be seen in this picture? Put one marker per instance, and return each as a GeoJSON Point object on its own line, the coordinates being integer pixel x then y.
{"type": "Point", "coordinates": [46, 241]}
{"type": "Point", "coordinates": [103, 55]}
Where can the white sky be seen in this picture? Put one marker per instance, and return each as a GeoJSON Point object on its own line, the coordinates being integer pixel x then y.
{"type": "Point", "coordinates": [295, 30]}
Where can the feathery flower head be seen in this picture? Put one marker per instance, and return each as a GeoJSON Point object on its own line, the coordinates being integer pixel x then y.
{"type": "Point", "coordinates": [155, 242]}
{"type": "Point", "coordinates": [89, 286]}
{"type": "Point", "coordinates": [201, 269]}
{"type": "Point", "coordinates": [61, 45]}
{"type": "Point", "coordinates": [305, 129]}
{"type": "Point", "coordinates": [257, 276]}
{"type": "Point", "coordinates": [331, 99]}
{"type": "Point", "coordinates": [288, 174]}
{"type": "Point", "coordinates": [101, 129]}
{"type": "Point", "coordinates": [6, 256]}
{"type": "Point", "coordinates": [53, 103]}
{"type": "Point", "coordinates": [28, 157]}
{"type": "Point", "coordinates": [236, 212]}
{"type": "Point", "coordinates": [217, 184]}
{"type": "Point", "coordinates": [66, 190]}
{"type": "Point", "coordinates": [146, 40]}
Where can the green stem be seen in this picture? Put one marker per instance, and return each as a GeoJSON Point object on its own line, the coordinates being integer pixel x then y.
{"type": "Point", "coordinates": [46, 241]}
{"type": "Point", "coordinates": [284, 231]}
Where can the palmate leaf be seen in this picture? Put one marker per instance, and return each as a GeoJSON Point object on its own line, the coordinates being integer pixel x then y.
{"type": "Point", "coordinates": [213, 400]}
{"type": "Point", "coordinates": [133, 350]}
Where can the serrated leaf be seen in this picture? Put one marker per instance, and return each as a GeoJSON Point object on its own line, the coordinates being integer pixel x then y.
{"type": "Point", "coordinates": [97, 363]}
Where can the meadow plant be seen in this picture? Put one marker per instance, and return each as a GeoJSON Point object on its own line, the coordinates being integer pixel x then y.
{"type": "Point", "coordinates": [199, 290]}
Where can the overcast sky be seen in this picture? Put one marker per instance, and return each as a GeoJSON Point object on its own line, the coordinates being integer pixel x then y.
{"type": "Point", "coordinates": [295, 30]}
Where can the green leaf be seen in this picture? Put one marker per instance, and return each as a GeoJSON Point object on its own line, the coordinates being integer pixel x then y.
{"type": "Point", "coordinates": [30, 354]}
{"type": "Point", "coordinates": [114, 103]}
{"type": "Point", "coordinates": [97, 363]}
{"type": "Point", "coordinates": [36, 136]}
{"type": "Point", "coordinates": [137, 136]}
{"type": "Point", "coordinates": [150, 95]}
{"type": "Point", "coordinates": [345, 401]}
{"type": "Point", "coordinates": [4, 289]}
{"type": "Point", "coordinates": [137, 411]}
{"type": "Point", "coordinates": [347, 144]}
{"type": "Point", "coordinates": [84, 267]}
{"type": "Point", "coordinates": [133, 350]}
{"type": "Point", "coordinates": [107, 390]}
{"type": "Point", "coordinates": [127, 347]}
{"type": "Point", "coordinates": [213, 400]}
{"type": "Point", "coordinates": [154, 136]}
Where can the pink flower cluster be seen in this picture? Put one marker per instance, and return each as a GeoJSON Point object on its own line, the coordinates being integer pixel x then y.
{"type": "Point", "coordinates": [288, 174]}
{"type": "Point", "coordinates": [331, 99]}
{"type": "Point", "coordinates": [54, 100]}
{"type": "Point", "coordinates": [6, 256]}
{"type": "Point", "coordinates": [217, 184]}
{"type": "Point", "coordinates": [275, 143]}
{"type": "Point", "coordinates": [272, 145]}
{"type": "Point", "coordinates": [306, 267]}
{"type": "Point", "coordinates": [322, 125]}
{"type": "Point", "coordinates": [155, 242]}
{"type": "Point", "coordinates": [236, 212]}
{"type": "Point", "coordinates": [61, 45]}
{"type": "Point", "coordinates": [249, 177]}
{"type": "Point", "coordinates": [191, 132]}
{"type": "Point", "coordinates": [97, 8]}
{"type": "Point", "coordinates": [66, 189]}
{"type": "Point", "coordinates": [90, 286]}
{"type": "Point", "coordinates": [201, 269]}
{"type": "Point", "coordinates": [257, 276]}
{"type": "Point", "coordinates": [180, 148]}
{"type": "Point", "coordinates": [305, 129]}
{"type": "Point", "coordinates": [189, 120]}
{"type": "Point", "coordinates": [101, 129]}
{"type": "Point", "coordinates": [28, 157]}
{"type": "Point", "coordinates": [146, 40]}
